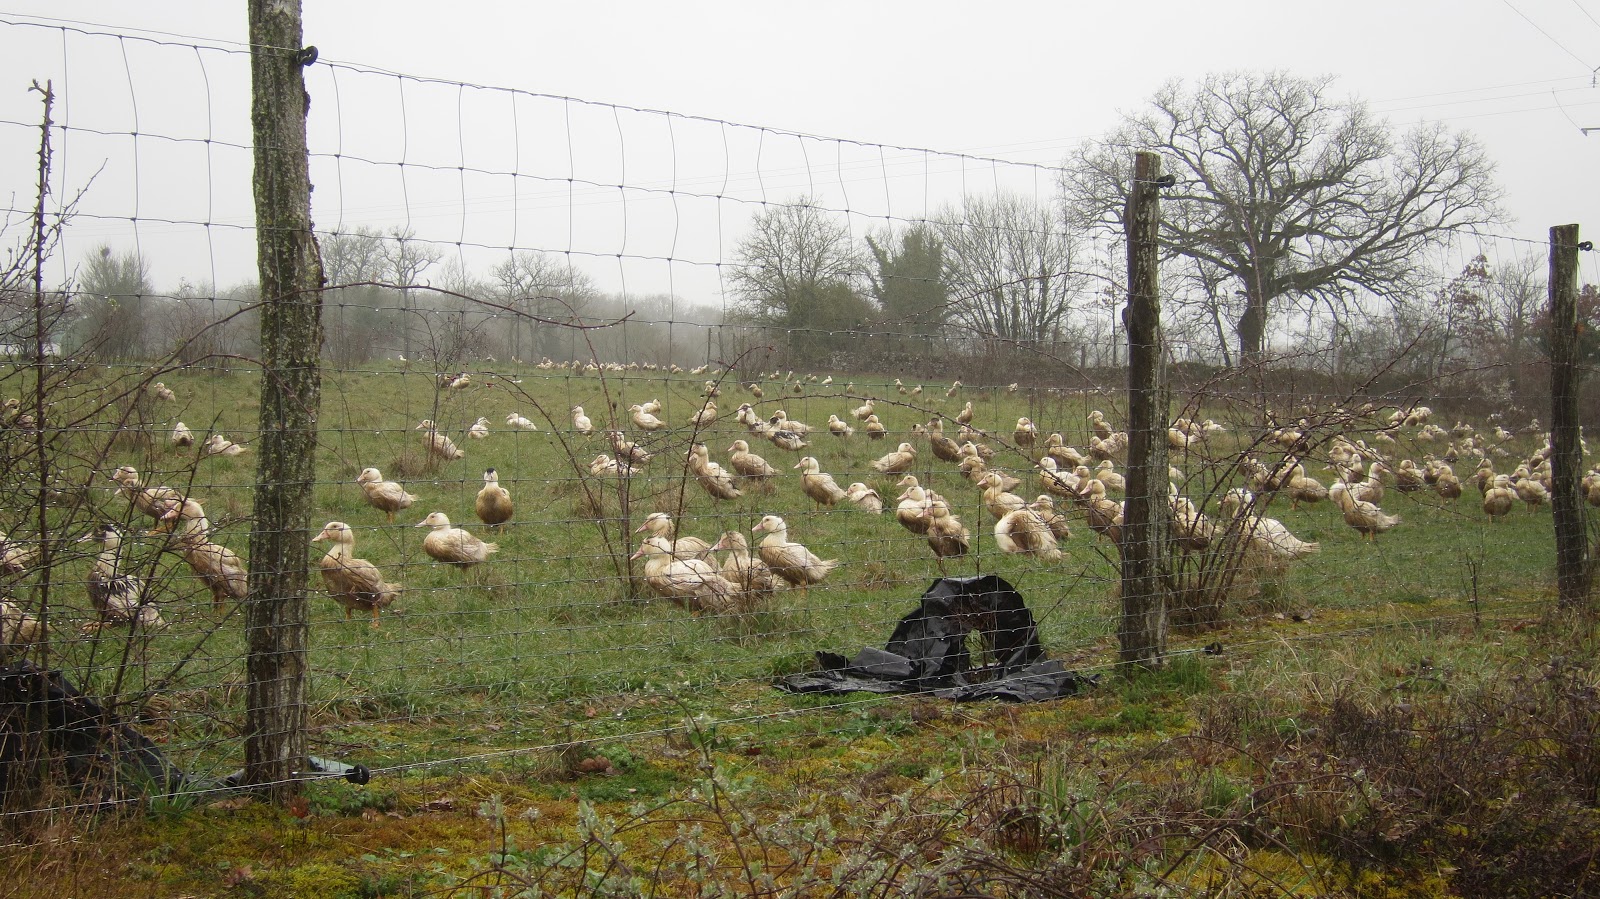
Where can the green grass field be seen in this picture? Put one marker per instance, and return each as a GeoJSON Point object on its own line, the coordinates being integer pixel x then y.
{"type": "Point", "coordinates": [511, 654]}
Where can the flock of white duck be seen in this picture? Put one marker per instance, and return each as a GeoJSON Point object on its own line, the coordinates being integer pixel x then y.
{"type": "Point", "coordinates": [687, 569]}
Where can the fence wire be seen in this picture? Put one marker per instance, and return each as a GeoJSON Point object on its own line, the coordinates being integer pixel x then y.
{"type": "Point", "coordinates": [542, 287]}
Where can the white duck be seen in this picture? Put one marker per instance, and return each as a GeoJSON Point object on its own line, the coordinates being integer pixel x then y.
{"type": "Point", "coordinates": [912, 505]}
{"type": "Point", "coordinates": [437, 443]}
{"type": "Point", "coordinates": [694, 584]}
{"type": "Point", "coordinates": [748, 464]}
{"type": "Point", "coordinates": [818, 485]}
{"type": "Point", "coordinates": [716, 480]}
{"type": "Point", "coordinates": [1023, 532]}
{"type": "Point", "coordinates": [660, 524]}
{"type": "Point", "coordinates": [581, 422]}
{"type": "Point", "coordinates": [387, 497]}
{"type": "Point", "coordinates": [865, 497]}
{"type": "Point", "coordinates": [219, 445]}
{"type": "Point", "coordinates": [119, 598]}
{"type": "Point", "coordinates": [453, 545]}
{"type": "Point", "coordinates": [355, 584]}
{"type": "Point", "coordinates": [897, 462]}
{"type": "Point", "coordinates": [645, 420]}
{"type": "Point", "coordinates": [791, 561]}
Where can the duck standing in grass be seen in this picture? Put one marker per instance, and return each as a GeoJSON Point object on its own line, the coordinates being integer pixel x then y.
{"type": "Point", "coordinates": [493, 504]}
{"type": "Point", "coordinates": [944, 448]}
{"type": "Point", "coordinates": [913, 502]}
{"type": "Point", "coordinates": [716, 480]}
{"type": "Point", "coordinates": [581, 422]}
{"type": "Point", "coordinates": [453, 545]}
{"type": "Point", "coordinates": [1104, 515]}
{"type": "Point", "coordinates": [218, 567]}
{"type": "Point", "coordinates": [1064, 484]}
{"type": "Point", "coordinates": [119, 598]}
{"type": "Point", "coordinates": [947, 536]}
{"type": "Point", "coordinates": [152, 501]}
{"type": "Point", "coordinates": [875, 428]}
{"type": "Point", "coordinates": [644, 419]}
{"type": "Point", "coordinates": [694, 584]}
{"type": "Point", "coordinates": [817, 484]}
{"type": "Point", "coordinates": [748, 464]}
{"type": "Point", "coordinates": [1498, 497]}
{"type": "Point", "coordinates": [1023, 532]}
{"type": "Point", "coordinates": [1045, 507]}
{"type": "Point", "coordinates": [999, 501]}
{"type": "Point", "coordinates": [791, 561]}
{"type": "Point", "coordinates": [748, 573]}
{"type": "Point", "coordinates": [387, 497]}
{"type": "Point", "coordinates": [705, 416]}
{"type": "Point", "coordinates": [1026, 433]}
{"type": "Point", "coordinates": [1365, 517]}
{"type": "Point", "coordinates": [355, 584]}
{"type": "Point", "coordinates": [660, 524]}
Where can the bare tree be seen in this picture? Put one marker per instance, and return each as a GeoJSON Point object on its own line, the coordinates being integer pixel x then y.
{"type": "Point", "coordinates": [1011, 268]}
{"type": "Point", "coordinates": [1288, 190]}
{"type": "Point", "coordinates": [1497, 309]}
{"type": "Point", "coordinates": [535, 286]}
{"type": "Point", "coordinates": [798, 269]}
{"type": "Point", "coordinates": [405, 259]}
{"type": "Point", "coordinates": [353, 256]}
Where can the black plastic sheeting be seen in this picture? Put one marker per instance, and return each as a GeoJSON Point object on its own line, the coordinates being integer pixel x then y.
{"type": "Point", "coordinates": [927, 653]}
{"type": "Point", "coordinates": [105, 759]}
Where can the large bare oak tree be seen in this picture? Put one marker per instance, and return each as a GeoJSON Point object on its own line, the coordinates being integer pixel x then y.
{"type": "Point", "coordinates": [1288, 190]}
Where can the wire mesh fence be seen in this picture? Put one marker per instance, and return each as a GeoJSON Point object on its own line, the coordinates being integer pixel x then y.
{"type": "Point", "coordinates": [709, 473]}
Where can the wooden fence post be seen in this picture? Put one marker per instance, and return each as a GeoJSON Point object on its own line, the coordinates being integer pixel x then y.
{"type": "Point", "coordinates": [291, 385]}
{"type": "Point", "coordinates": [1142, 629]}
{"type": "Point", "coordinates": [1566, 458]}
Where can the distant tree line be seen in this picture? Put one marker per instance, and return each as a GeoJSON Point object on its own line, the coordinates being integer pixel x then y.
{"type": "Point", "coordinates": [1295, 223]}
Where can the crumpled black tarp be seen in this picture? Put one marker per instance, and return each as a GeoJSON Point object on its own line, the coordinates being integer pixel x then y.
{"type": "Point", "coordinates": [928, 651]}
{"type": "Point", "coordinates": [106, 758]}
